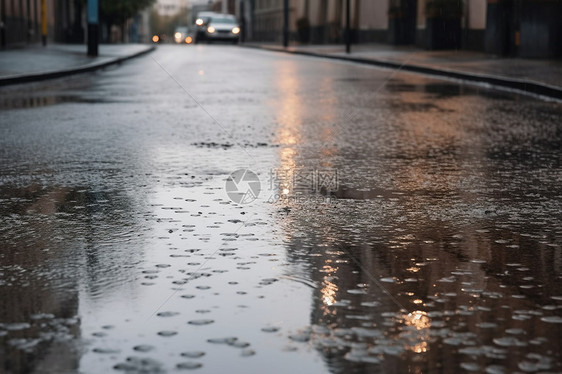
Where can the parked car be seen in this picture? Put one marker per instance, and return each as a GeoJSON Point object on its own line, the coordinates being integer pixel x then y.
{"type": "Point", "coordinates": [217, 27]}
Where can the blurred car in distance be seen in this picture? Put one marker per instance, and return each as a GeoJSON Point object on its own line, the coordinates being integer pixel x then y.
{"type": "Point", "coordinates": [180, 35]}
{"type": "Point", "coordinates": [200, 24]}
{"type": "Point", "coordinates": [203, 17]}
{"type": "Point", "coordinates": [218, 27]}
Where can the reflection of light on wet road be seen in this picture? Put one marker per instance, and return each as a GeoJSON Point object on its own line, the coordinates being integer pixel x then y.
{"type": "Point", "coordinates": [329, 290]}
{"type": "Point", "coordinates": [289, 113]}
{"type": "Point", "coordinates": [419, 348]}
{"type": "Point", "coordinates": [418, 319]}
{"type": "Point", "coordinates": [289, 116]}
{"type": "Point", "coordinates": [421, 322]}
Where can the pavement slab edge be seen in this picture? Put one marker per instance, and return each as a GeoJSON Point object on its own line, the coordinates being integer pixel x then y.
{"type": "Point", "coordinates": [52, 74]}
{"type": "Point", "coordinates": [520, 85]}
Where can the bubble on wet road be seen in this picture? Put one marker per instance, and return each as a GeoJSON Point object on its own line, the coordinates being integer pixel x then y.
{"type": "Point", "coordinates": [509, 341]}
{"type": "Point", "coordinates": [388, 279]}
{"type": "Point", "coordinates": [552, 319]}
{"type": "Point", "coordinates": [39, 316]}
{"type": "Point", "coordinates": [167, 314]}
{"type": "Point", "coordinates": [360, 354]}
{"type": "Point", "coordinates": [301, 336]}
{"type": "Point", "coordinates": [270, 329]}
{"type": "Point", "coordinates": [247, 352]}
{"type": "Point", "coordinates": [140, 365]}
{"type": "Point", "coordinates": [143, 348]}
{"type": "Point", "coordinates": [239, 344]}
{"type": "Point", "coordinates": [189, 365]}
{"type": "Point", "coordinates": [106, 350]}
{"type": "Point", "coordinates": [227, 340]}
{"type": "Point", "coordinates": [487, 325]}
{"type": "Point", "coordinates": [201, 322]}
{"type": "Point", "coordinates": [470, 366]}
{"type": "Point", "coordinates": [358, 291]}
{"type": "Point", "coordinates": [193, 354]}
{"type": "Point", "coordinates": [370, 304]}
{"type": "Point", "coordinates": [167, 333]}
{"type": "Point", "coordinates": [16, 326]}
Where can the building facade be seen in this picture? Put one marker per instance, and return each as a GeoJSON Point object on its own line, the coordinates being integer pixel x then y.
{"type": "Point", "coordinates": [524, 28]}
{"type": "Point", "coordinates": [20, 21]}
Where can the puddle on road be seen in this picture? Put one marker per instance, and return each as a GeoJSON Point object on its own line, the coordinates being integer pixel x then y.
{"type": "Point", "coordinates": [430, 254]}
{"type": "Point", "coordinates": [179, 278]}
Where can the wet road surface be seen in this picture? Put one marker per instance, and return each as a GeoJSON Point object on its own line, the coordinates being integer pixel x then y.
{"type": "Point", "coordinates": [403, 224]}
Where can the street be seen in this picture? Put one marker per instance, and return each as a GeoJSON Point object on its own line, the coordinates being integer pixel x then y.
{"type": "Point", "coordinates": [226, 209]}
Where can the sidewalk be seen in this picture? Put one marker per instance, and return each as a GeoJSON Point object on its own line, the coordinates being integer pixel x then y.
{"type": "Point", "coordinates": [540, 77]}
{"type": "Point", "coordinates": [56, 60]}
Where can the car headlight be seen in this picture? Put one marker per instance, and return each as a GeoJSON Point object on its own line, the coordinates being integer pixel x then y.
{"type": "Point", "coordinates": [236, 30]}
{"type": "Point", "coordinates": [210, 29]}
{"type": "Point", "coordinates": [199, 22]}
{"type": "Point", "coordinates": [178, 35]}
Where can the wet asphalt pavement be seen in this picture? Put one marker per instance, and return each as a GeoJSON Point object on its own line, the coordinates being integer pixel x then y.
{"type": "Point", "coordinates": [403, 224]}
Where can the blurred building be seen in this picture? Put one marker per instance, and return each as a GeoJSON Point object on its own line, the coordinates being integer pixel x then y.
{"type": "Point", "coordinates": [20, 21]}
{"type": "Point", "coordinates": [169, 8]}
{"type": "Point", "coordinates": [223, 6]}
{"type": "Point", "coordinates": [525, 28]}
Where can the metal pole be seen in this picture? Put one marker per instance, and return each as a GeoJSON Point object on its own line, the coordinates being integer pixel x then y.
{"type": "Point", "coordinates": [347, 27]}
{"type": "Point", "coordinates": [2, 24]}
{"type": "Point", "coordinates": [93, 24]}
{"type": "Point", "coordinates": [29, 24]}
{"type": "Point", "coordinates": [285, 23]}
{"type": "Point", "coordinates": [44, 22]}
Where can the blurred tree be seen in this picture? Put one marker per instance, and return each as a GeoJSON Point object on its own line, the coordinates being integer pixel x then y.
{"type": "Point", "coordinates": [117, 12]}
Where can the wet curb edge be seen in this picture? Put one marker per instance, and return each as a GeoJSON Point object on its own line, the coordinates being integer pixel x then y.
{"type": "Point", "coordinates": [45, 75]}
{"type": "Point", "coordinates": [522, 85]}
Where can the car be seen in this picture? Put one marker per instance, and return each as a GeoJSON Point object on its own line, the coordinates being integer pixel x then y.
{"type": "Point", "coordinates": [200, 24]}
{"type": "Point", "coordinates": [223, 27]}
{"type": "Point", "coordinates": [203, 17]}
